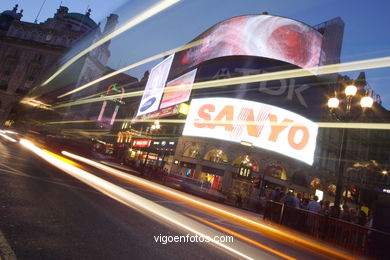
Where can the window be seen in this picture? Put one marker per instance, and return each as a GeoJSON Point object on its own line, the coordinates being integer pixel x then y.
{"type": "Point", "coordinates": [216, 155]}
{"type": "Point", "coordinates": [277, 171]}
{"type": "Point", "coordinates": [192, 152]}
{"type": "Point", "coordinates": [246, 160]}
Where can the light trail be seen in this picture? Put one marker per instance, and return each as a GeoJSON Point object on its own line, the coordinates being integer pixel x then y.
{"type": "Point", "coordinates": [132, 66]}
{"type": "Point", "coordinates": [2, 134]}
{"type": "Point", "coordinates": [302, 242]}
{"type": "Point", "coordinates": [145, 206]}
{"type": "Point", "coordinates": [350, 125]}
{"type": "Point", "coordinates": [242, 237]}
{"type": "Point", "coordinates": [294, 73]}
{"type": "Point", "coordinates": [162, 5]}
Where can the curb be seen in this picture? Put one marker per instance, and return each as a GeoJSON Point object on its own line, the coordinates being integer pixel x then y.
{"type": "Point", "coordinates": [6, 252]}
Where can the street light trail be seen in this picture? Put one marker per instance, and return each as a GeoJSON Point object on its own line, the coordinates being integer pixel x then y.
{"type": "Point", "coordinates": [351, 125]}
{"type": "Point", "coordinates": [242, 237]}
{"type": "Point", "coordinates": [294, 73]}
{"type": "Point", "coordinates": [2, 134]}
{"type": "Point", "coordinates": [132, 66]}
{"type": "Point", "coordinates": [145, 206]}
{"type": "Point", "coordinates": [157, 8]}
{"type": "Point", "coordinates": [302, 242]}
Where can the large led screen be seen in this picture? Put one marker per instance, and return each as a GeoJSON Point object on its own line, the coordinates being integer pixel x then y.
{"type": "Point", "coordinates": [155, 87]}
{"type": "Point", "coordinates": [178, 90]}
{"type": "Point", "coordinates": [262, 125]}
{"type": "Point", "coordinates": [256, 35]}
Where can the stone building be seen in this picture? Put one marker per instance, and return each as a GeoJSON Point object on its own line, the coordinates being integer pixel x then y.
{"type": "Point", "coordinates": [27, 49]}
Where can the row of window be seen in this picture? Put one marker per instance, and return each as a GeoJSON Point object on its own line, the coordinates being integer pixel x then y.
{"type": "Point", "coordinates": [218, 156]}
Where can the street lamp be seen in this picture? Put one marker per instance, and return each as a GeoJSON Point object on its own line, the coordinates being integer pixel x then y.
{"type": "Point", "coordinates": [345, 116]}
{"type": "Point", "coordinates": [156, 125]}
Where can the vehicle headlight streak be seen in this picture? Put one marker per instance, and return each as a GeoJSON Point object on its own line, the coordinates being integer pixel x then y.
{"type": "Point", "coordinates": [145, 206]}
{"type": "Point", "coordinates": [2, 134]}
{"type": "Point", "coordinates": [277, 234]}
{"type": "Point", "coordinates": [162, 5]}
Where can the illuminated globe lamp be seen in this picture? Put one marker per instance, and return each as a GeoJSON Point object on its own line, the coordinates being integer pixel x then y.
{"type": "Point", "coordinates": [366, 102]}
{"type": "Point", "coordinates": [156, 125]}
{"type": "Point", "coordinates": [350, 90]}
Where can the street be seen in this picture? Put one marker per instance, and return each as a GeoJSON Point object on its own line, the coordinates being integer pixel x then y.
{"type": "Point", "coordinates": [47, 214]}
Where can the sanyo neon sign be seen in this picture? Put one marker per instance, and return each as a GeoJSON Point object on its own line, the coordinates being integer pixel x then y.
{"type": "Point", "coordinates": [263, 125]}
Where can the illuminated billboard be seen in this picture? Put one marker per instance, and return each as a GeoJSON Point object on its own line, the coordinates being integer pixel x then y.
{"type": "Point", "coordinates": [259, 124]}
{"type": "Point", "coordinates": [155, 87]}
{"type": "Point", "coordinates": [178, 90]}
{"type": "Point", "coordinates": [266, 36]}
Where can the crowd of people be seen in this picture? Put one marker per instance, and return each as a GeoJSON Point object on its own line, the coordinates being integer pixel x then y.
{"type": "Point", "coordinates": [354, 215]}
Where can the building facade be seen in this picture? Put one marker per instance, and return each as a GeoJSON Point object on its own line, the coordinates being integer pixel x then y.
{"type": "Point", "coordinates": [29, 50]}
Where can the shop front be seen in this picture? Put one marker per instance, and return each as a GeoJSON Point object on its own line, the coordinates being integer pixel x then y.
{"type": "Point", "coordinates": [153, 152]}
{"type": "Point", "coordinates": [234, 168]}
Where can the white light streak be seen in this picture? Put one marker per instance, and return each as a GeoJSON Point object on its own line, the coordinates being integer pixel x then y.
{"type": "Point", "coordinates": [147, 207]}
{"type": "Point", "coordinates": [133, 22]}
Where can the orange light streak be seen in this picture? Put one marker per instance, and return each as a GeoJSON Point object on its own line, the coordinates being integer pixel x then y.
{"type": "Point", "coordinates": [301, 241]}
{"type": "Point", "coordinates": [242, 237]}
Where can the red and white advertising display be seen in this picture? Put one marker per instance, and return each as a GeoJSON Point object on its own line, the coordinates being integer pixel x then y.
{"type": "Point", "coordinates": [155, 87]}
{"type": "Point", "coordinates": [178, 90]}
{"type": "Point", "coordinates": [262, 125]}
{"type": "Point", "coordinates": [142, 142]}
{"type": "Point", "coordinates": [256, 35]}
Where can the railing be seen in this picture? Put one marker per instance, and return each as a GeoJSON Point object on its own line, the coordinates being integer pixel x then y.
{"type": "Point", "coordinates": [359, 239]}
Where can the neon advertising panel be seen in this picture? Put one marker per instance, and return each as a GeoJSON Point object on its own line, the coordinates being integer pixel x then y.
{"type": "Point", "coordinates": [259, 124]}
{"type": "Point", "coordinates": [141, 142]}
{"type": "Point", "coordinates": [114, 89]}
{"type": "Point", "coordinates": [256, 35]}
{"type": "Point", "coordinates": [178, 90]}
{"type": "Point", "coordinates": [155, 87]}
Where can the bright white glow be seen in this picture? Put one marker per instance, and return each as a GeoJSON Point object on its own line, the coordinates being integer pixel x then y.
{"type": "Point", "coordinates": [8, 138]}
{"type": "Point", "coordinates": [133, 22]}
{"type": "Point", "coordinates": [366, 102]}
{"type": "Point", "coordinates": [264, 126]}
{"type": "Point", "coordinates": [350, 90]}
{"type": "Point", "coordinates": [319, 194]}
{"type": "Point", "coordinates": [333, 102]}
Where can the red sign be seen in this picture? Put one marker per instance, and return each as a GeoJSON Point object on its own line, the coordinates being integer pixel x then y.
{"type": "Point", "coordinates": [142, 142]}
{"type": "Point", "coordinates": [168, 111]}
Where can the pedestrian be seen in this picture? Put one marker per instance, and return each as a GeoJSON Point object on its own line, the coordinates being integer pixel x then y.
{"type": "Point", "coordinates": [298, 200]}
{"type": "Point", "coordinates": [276, 194]}
{"type": "Point", "coordinates": [313, 205]}
{"type": "Point", "coordinates": [345, 214]}
{"type": "Point", "coordinates": [325, 210]}
{"type": "Point", "coordinates": [289, 199]}
{"type": "Point", "coordinates": [362, 218]}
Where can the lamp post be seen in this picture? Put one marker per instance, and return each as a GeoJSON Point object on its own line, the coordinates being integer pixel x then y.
{"type": "Point", "coordinates": [156, 126]}
{"type": "Point", "coordinates": [345, 116]}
